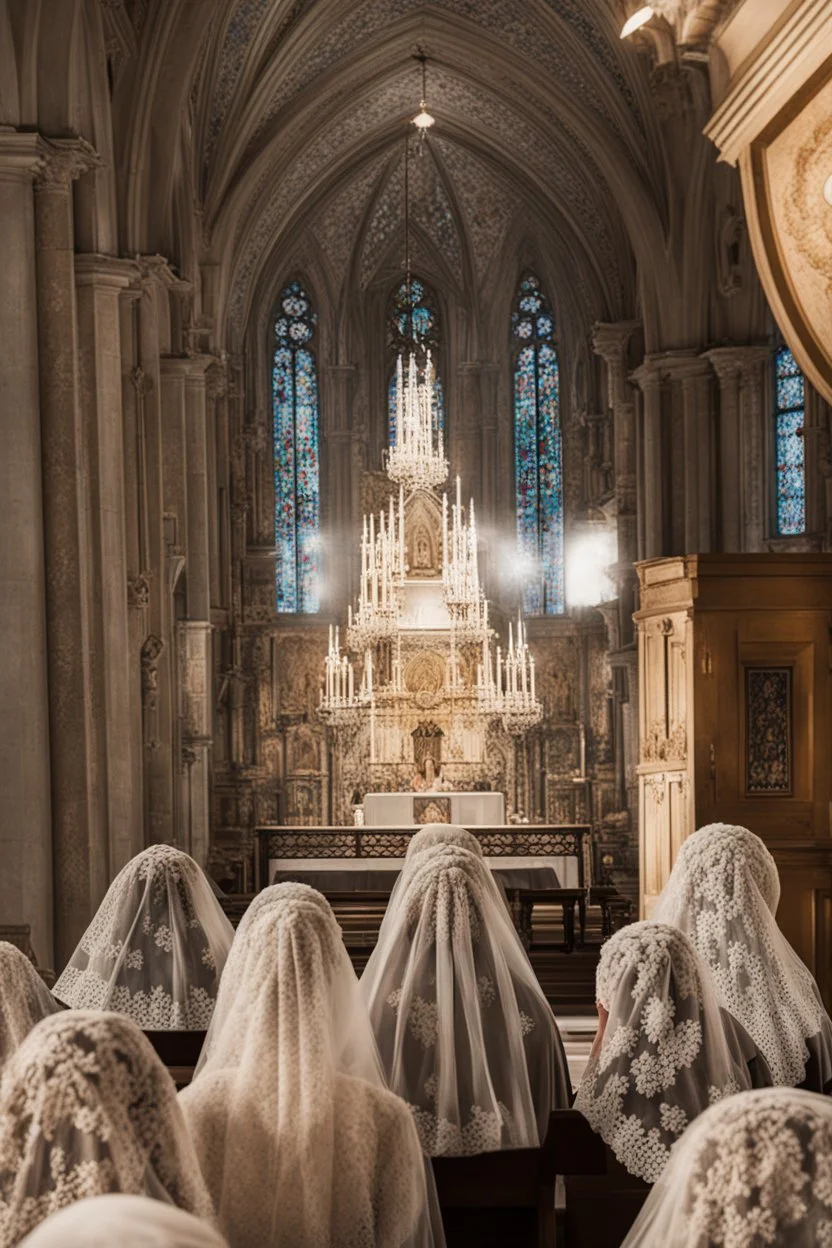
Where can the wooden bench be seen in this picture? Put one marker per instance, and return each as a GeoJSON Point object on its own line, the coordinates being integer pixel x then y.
{"type": "Point", "coordinates": [179, 1050]}
{"type": "Point", "coordinates": [492, 1200]}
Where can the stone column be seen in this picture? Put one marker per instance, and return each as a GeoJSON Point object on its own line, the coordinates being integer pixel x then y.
{"type": "Point", "coordinates": [186, 498]}
{"type": "Point", "coordinates": [610, 342]}
{"type": "Point", "coordinates": [726, 365]}
{"type": "Point", "coordinates": [337, 492]}
{"type": "Point", "coordinates": [25, 826]}
{"type": "Point", "coordinates": [100, 281]}
{"type": "Point", "coordinates": [694, 374]}
{"type": "Point", "coordinates": [648, 378]}
{"type": "Point", "coordinates": [753, 434]}
{"type": "Point", "coordinates": [81, 861]}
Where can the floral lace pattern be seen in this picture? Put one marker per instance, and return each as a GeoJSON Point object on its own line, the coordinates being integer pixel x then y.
{"type": "Point", "coordinates": [466, 1036]}
{"type": "Point", "coordinates": [86, 1108]}
{"type": "Point", "coordinates": [722, 892]}
{"type": "Point", "coordinates": [155, 948]}
{"type": "Point", "coordinates": [665, 1054]}
{"type": "Point", "coordinates": [24, 999]}
{"type": "Point", "coordinates": [754, 1170]}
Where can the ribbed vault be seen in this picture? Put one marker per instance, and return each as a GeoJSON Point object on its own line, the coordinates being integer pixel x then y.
{"type": "Point", "coordinates": [299, 116]}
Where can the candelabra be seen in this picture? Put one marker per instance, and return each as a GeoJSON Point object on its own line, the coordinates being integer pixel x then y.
{"type": "Point", "coordinates": [509, 692]}
{"type": "Point", "coordinates": [417, 459]}
{"type": "Point", "coordinates": [466, 602]}
{"type": "Point", "coordinates": [341, 705]}
{"type": "Point", "coordinates": [383, 569]}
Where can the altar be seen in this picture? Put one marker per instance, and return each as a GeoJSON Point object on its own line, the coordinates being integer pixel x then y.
{"type": "Point", "coordinates": [385, 810]}
{"type": "Point", "coordinates": [347, 860]}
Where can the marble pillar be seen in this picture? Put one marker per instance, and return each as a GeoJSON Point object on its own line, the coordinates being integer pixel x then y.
{"type": "Point", "coordinates": [26, 824]}
{"type": "Point", "coordinates": [100, 281]}
{"type": "Point", "coordinates": [78, 809]}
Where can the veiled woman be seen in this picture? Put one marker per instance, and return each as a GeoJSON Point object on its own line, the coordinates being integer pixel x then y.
{"type": "Point", "coordinates": [723, 893]}
{"type": "Point", "coordinates": [752, 1171]}
{"type": "Point", "coordinates": [87, 1108]}
{"type": "Point", "coordinates": [24, 999]}
{"type": "Point", "coordinates": [300, 1143]}
{"type": "Point", "coordinates": [155, 947]}
{"type": "Point", "coordinates": [465, 1033]}
{"type": "Point", "coordinates": [663, 1053]}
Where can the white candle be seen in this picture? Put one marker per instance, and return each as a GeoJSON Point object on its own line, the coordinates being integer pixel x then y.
{"type": "Point", "coordinates": [531, 675]}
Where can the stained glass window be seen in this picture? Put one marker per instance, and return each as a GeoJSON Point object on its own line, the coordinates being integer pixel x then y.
{"type": "Point", "coordinates": [538, 452]}
{"type": "Point", "coordinates": [789, 444]}
{"type": "Point", "coordinates": [413, 326]}
{"type": "Point", "coordinates": [296, 475]}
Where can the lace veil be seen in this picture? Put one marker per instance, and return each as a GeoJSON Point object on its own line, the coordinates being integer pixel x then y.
{"type": "Point", "coordinates": [299, 1141]}
{"type": "Point", "coordinates": [24, 999]}
{"type": "Point", "coordinates": [86, 1108]}
{"type": "Point", "coordinates": [665, 1054]}
{"type": "Point", "coordinates": [754, 1170]}
{"type": "Point", "coordinates": [723, 893]}
{"type": "Point", "coordinates": [465, 1033]}
{"type": "Point", "coordinates": [128, 1221]}
{"type": "Point", "coordinates": [155, 948]}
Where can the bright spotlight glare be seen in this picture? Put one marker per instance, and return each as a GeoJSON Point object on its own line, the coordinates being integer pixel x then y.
{"type": "Point", "coordinates": [638, 19]}
{"type": "Point", "coordinates": [588, 559]}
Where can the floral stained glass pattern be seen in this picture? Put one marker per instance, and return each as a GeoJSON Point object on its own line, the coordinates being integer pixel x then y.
{"type": "Point", "coordinates": [296, 471]}
{"type": "Point", "coordinates": [769, 713]}
{"type": "Point", "coordinates": [790, 445]}
{"type": "Point", "coordinates": [413, 326]}
{"type": "Point", "coordinates": [538, 452]}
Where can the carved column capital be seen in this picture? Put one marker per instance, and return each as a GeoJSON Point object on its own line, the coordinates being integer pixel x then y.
{"type": "Point", "coordinates": [64, 160]}
{"type": "Point", "coordinates": [730, 362]}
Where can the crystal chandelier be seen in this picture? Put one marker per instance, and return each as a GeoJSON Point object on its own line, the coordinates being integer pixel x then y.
{"type": "Point", "coordinates": [417, 459]}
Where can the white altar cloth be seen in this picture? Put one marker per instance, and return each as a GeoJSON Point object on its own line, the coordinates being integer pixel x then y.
{"type": "Point", "coordinates": [469, 810]}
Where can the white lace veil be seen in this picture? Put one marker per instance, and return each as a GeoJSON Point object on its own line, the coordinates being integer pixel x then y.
{"type": "Point", "coordinates": [126, 1221]}
{"type": "Point", "coordinates": [299, 1141]}
{"type": "Point", "coordinates": [723, 893]}
{"type": "Point", "coordinates": [86, 1108]}
{"type": "Point", "coordinates": [155, 948]}
{"type": "Point", "coordinates": [465, 1033]}
{"type": "Point", "coordinates": [665, 1054]}
{"type": "Point", "coordinates": [752, 1171]}
{"type": "Point", "coordinates": [24, 999]}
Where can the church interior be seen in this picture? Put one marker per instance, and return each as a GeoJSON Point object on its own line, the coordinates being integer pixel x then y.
{"type": "Point", "coordinates": [417, 416]}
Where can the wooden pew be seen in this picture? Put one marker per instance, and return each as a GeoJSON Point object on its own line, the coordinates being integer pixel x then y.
{"type": "Point", "coordinates": [496, 1199]}
{"type": "Point", "coordinates": [179, 1050]}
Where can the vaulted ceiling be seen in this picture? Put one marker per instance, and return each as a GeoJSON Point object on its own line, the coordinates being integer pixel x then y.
{"type": "Point", "coordinates": [543, 121]}
{"type": "Point", "coordinates": [247, 131]}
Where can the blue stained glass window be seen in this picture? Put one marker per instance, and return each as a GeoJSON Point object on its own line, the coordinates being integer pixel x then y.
{"type": "Point", "coordinates": [414, 327]}
{"type": "Point", "coordinates": [789, 444]}
{"type": "Point", "coordinates": [296, 474]}
{"type": "Point", "coordinates": [538, 451]}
